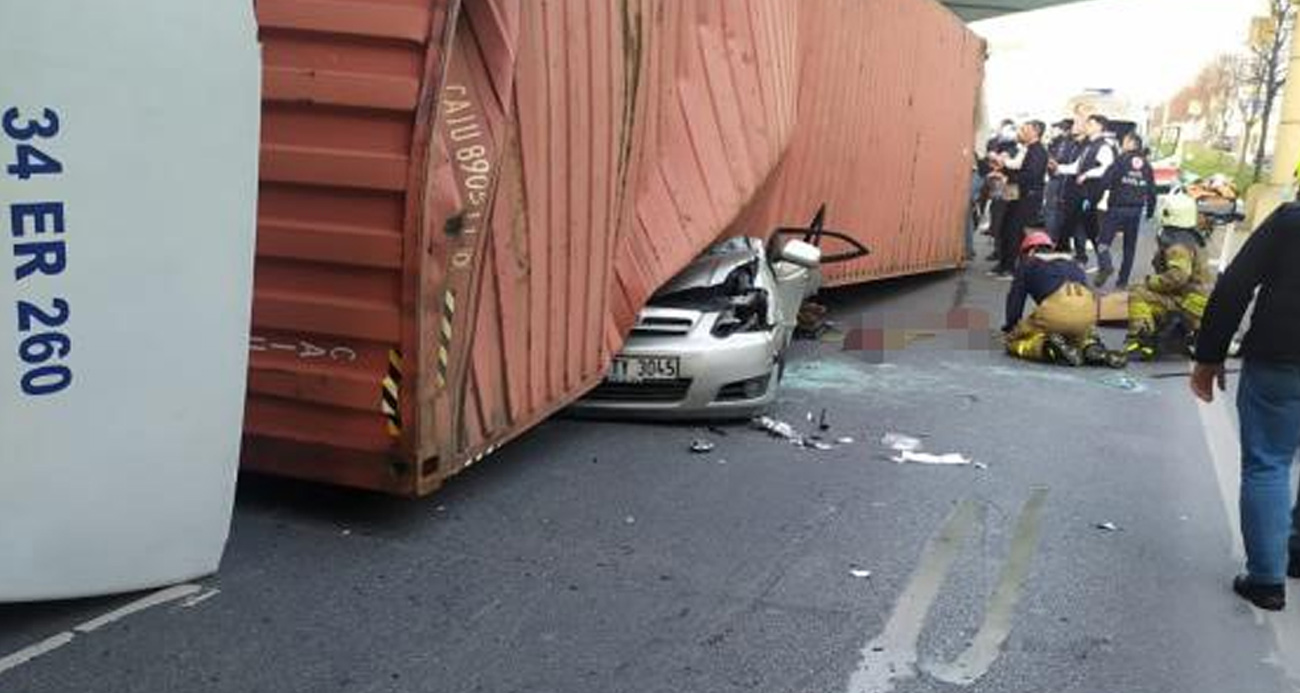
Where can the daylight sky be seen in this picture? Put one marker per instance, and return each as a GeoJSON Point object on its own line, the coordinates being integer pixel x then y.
{"type": "Point", "coordinates": [1145, 49]}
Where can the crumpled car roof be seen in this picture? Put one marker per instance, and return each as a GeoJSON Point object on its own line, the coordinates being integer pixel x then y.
{"type": "Point", "coordinates": [715, 265]}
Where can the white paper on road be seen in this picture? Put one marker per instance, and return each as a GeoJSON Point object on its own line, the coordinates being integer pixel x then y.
{"type": "Point", "coordinates": [949, 459]}
{"type": "Point", "coordinates": [900, 442]}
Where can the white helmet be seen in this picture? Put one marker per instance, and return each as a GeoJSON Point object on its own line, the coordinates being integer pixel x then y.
{"type": "Point", "coordinates": [1179, 211]}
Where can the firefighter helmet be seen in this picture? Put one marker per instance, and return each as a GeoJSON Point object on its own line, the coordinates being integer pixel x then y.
{"type": "Point", "coordinates": [1036, 240]}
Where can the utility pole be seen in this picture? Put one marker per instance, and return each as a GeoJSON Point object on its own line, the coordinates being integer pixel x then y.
{"type": "Point", "coordinates": [1265, 197]}
{"type": "Point", "coordinates": [1286, 152]}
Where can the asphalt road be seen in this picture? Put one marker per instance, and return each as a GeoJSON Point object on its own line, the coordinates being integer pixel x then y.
{"type": "Point", "coordinates": [603, 557]}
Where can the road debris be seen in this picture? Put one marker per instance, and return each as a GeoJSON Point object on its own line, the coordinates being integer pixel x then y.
{"type": "Point", "coordinates": [777, 429]}
{"type": "Point", "coordinates": [1107, 526]}
{"type": "Point", "coordinates": [783, 430]}
{"type": "Point", "coordinates": [1123, 382]}
{"type": "Point", "coordinates": [909, 451]}
{"type": "Point", "coordinates": [822, 424]}
{"type": "Point", "coordinates": [629, 520]}
{"type": "Point", "coordinates": [701, 447]}
{"type": "Point", "coordinates": [952, 459]}
{"type": "Point", "coordinates": [811, 322]}
{"type": "Point", "coordinates": [859, 573]}
{"type": "Point", "coordinates": [846, 440]}
{"type": "Point", "coordinates": [900, 442]}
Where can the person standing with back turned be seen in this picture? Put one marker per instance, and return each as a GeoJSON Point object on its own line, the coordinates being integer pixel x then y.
{"type": "Point", "coordinates": [1130, 189]}
{"type": "Point", "coordinates": [1268, 397]}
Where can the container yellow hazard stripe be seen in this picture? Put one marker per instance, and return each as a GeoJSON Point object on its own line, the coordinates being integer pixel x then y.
{"type": "Point", "coordinates": [445, 336]}
{"type": "Point", "coordinates": [392, 393]}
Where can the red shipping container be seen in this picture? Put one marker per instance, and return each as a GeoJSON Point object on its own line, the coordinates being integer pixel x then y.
{"type": "Point", "coordinates": [464, 204]}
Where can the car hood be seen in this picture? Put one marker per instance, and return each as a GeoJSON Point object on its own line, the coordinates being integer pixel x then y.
{"type": "Point", "coordinates": [713, 267]}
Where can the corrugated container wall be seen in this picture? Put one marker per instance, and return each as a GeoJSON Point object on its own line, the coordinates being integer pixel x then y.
{"type": "Point", "coordinates": [464, 205]}
{"type": "Point", "coordinates": [888, 95]}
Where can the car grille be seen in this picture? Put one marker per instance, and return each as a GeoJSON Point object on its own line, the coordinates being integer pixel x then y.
{"type": "Point", "coordinates": [660, 392]}
{"type": "Point", "coordinates": [662, 326]}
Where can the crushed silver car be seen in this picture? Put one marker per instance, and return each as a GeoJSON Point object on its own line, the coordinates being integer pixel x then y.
{"type": "Point", "coordinates": [711, 342]}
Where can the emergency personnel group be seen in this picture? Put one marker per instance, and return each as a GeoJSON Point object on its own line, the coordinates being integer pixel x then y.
{"type": "Point", "coordinates": [1082, 189]}
{"type": "Point", "coordinates": [1047, 198]}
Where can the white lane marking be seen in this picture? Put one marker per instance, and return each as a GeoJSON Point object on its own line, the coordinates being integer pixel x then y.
{"type": "Point", "coordinates": [199, 598]}
{"type": "Point", "coordinates": [27, 654]}
{"type": "Point", "coordinates": [1286, 635]}
{"type": "Point", "coordinates": [985, 648]}
{"type": "Point", "coordinates": [1221, 439]}
{"type": "Point", "coordinates": [891, 656]}
{"type": "Point", "coordinates": [1225, 253]}
{"type": "Point", "coordinates": [170, 594]}
{"type": "Point", "coordinates": [1224, 443]}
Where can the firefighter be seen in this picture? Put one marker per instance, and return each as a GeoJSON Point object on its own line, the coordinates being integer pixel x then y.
{"type": "Point", "coordinates": [1062, 328]}
{"type": "Point", "coordinates": [1180, 287]}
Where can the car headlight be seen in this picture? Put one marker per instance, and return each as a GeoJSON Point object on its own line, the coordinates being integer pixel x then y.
{"type": "Point", "coordinates": [746, 313]}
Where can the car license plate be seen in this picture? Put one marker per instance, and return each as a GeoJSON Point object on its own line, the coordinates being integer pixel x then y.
{"type": "Point", "coordinates": [643, 369]}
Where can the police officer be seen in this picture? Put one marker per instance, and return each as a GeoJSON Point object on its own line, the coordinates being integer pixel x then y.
{"type": "Point", "coordinates": [1088, 173]}
{"type": "Point", "coordinates": [1062, 329]}
{"type": "Point", "coordinates": [1130, 190]}
{"type": "Point", "coordinates": [1061, 149]}
{"type": "Point", "coordinates": [1179, 290]}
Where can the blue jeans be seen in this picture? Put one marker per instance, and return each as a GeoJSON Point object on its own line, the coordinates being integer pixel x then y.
{"type": "Point", "coordinates": [1126, 220]}
{"type": "Point", "coordinates": [1268, 402]}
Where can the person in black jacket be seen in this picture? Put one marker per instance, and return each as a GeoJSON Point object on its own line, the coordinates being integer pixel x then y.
{"type": "Point", "coordinates": [1088, 172]}
{"type": "Point", "coordinates": [1130, 188]}
{"type": "Point", "coordinates": [1268, 397]}
{"type": "Point", "coordinates": [1061, 150]}
{"type": "Point", "coordinates": [1027, 175]}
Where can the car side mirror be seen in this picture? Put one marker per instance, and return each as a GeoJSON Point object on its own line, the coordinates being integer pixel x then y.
{"type": "Point", "coordinates": [802, 254]}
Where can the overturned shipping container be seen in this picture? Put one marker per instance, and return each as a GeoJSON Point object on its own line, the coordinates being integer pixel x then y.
{"type": "Point", "coordinates": [887, 101]}
{"type": "Point", "coordinates": [465, 204]}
